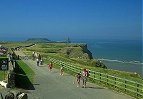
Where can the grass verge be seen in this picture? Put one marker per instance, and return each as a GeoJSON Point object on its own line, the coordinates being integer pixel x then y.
{"type": "Point", "coordinates": [2, 74]}
{"type": "Point", "coordinates": [24, 75]}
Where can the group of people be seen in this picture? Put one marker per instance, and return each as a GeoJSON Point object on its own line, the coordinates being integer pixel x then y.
{"type": "Point", "coordinates": [82, 75]}
{"type": "Point", "coordinates": [61, 68]}
{"type": "Point", "coordinates": [38, 58]}
{"type": "Point", "coordinates": [39, 62]}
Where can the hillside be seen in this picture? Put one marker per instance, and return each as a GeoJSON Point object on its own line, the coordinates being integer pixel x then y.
{"type": "Point", "coordinates": [77, 51]}
{"type": "Point", "coordinates": [38, 40]}
{"type": "Point", "coordinates": [66, 50]}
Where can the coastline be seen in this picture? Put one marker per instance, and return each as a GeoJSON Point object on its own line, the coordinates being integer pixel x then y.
{"type": "Point", "coordinates": [124, 66]}
{"type": "Point", "coordinates": [127, 62]}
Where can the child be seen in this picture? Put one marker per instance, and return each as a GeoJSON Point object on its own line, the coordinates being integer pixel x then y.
{"type": "Point", "coordinates": [50, 66]}
{"type": "Point", "coordinates": [61, 69]}
{"type": "Point", "coordinates": [78, 77]}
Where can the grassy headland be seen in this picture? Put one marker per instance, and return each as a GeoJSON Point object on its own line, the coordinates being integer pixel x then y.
{"type": "Point", "coordinates": [77, 54]}
{"type": "Point", "coordinates": [77, 57]}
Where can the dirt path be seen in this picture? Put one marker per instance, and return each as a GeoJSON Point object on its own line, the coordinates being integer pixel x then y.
{"type": "Point", "coordinates": [50, 85]}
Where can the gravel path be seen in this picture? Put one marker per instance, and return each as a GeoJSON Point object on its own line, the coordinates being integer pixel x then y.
{"type": "Point", "coordinates": [50, 85]}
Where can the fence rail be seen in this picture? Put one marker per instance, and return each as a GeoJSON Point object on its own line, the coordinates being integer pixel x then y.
{"type": "Point", "coordinates": [134, 88]}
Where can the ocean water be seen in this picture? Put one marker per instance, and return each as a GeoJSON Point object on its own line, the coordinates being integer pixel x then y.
{"type": "Point", "coordinates": [118, 50]}
{"type": "Point", "coordinates": [124, 55]}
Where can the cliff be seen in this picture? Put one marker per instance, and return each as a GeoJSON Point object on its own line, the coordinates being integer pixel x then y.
{"type": "Point", "coordinates": [77, 51]}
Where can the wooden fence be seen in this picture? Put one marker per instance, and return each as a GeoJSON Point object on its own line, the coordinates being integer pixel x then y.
{"type": "Point", "coordinates": [132, 88]}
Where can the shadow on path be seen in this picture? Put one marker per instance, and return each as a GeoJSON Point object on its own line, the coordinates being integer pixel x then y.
{"type": "Point", "coordinates": [94, 87]}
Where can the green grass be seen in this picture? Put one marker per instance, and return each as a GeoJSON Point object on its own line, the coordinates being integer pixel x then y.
{"type": "Point", "coordinates": [24, 75]}
{"type": "Point", "coordinates": [14, 44]}
{"type": "Point", "coordinates": [45, 50]}
{"type": "Point", "coordinates": [1, 75]}
{"type": "Point", "coordinates": [87, 64]}
{"type": "Point", "coordinates": [1, 72]}
{"type": "Point", "coordinates": [26, 70]}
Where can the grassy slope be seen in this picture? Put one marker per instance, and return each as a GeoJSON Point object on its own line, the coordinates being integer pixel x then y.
{"type": "Point", "coordinates": [26, 70]}
{"type": "Point", "coordinates": [24, 75]}
{"type": "Point", "coordinates": [77, 62]}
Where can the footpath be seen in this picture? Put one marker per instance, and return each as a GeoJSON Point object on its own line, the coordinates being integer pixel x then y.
{"type": "Point", "coordinates": [50, 85]}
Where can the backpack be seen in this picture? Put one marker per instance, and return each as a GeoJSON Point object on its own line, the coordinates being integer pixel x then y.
{"type": "Point", "coordinates": [87, 73]}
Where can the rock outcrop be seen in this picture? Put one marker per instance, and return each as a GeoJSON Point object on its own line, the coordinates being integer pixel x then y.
{"type": "Point", "coordinates": [77, 51]}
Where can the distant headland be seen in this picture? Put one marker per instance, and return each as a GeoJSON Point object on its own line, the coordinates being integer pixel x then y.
{"type": "Point", "coordinates": [38, 40]}
{"type": "Point", "coordinates": [45, 40]}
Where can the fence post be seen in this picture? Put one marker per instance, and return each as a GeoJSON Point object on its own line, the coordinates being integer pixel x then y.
{"type": "Point", "coordinates": [125, 85]}
{"type": "Point", "coordinates": [107, 79]}
{"type": "Point", "coordinates": [137, 89]}
{"type": "Point", "coordinates": [115, 82]}
{"type": "Point", "coordinates": [100, 77]}
{"type": "Point", "coordinates": [94, 75]}
{"type": "Point", "coordinates": [89, 72]}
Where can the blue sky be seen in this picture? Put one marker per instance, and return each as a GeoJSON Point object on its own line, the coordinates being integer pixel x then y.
{"type": "Point", "coordinates": [77, 19]}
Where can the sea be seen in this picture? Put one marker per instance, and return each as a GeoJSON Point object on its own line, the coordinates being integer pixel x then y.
{"type": "Point", "coordinates": [123, 55]}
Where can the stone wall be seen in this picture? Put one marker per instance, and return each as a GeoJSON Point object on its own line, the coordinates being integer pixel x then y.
{"type": "Point", "coordinates": [11, 75]}
{"type": "Point", "coordinates": [9, 80]}
{"type": "Point", "coordinates": [11, 95]}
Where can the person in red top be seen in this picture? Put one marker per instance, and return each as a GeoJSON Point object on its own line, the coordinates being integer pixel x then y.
{"type": "Point", "coordinates": [50, 66]}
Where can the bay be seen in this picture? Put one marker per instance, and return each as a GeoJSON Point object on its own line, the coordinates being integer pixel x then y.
{"type": "Point", "coordinates": [123, 55]}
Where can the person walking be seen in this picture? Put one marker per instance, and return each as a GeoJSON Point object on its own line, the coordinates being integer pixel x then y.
{"type": "Point", "coordinates": [50, 66]}
{"type": "Point", "coordinates": [39, 56]}
{"type": "Point", "coordinates": [37, 61]}
{"type": "Point", "coordinates": [33, 56]}
{"type": "Point", "coordinates": [77, 79]}
{"type": "Point", "coordinates": [61, 69]}
{"type": "Point", "coordinates": [84, 77]}
{"type": "Point", "coordinates": [41, 61]}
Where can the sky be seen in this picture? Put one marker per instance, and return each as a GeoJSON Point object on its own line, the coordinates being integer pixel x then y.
{"type": "Point", "coordinates": [76, 19]}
